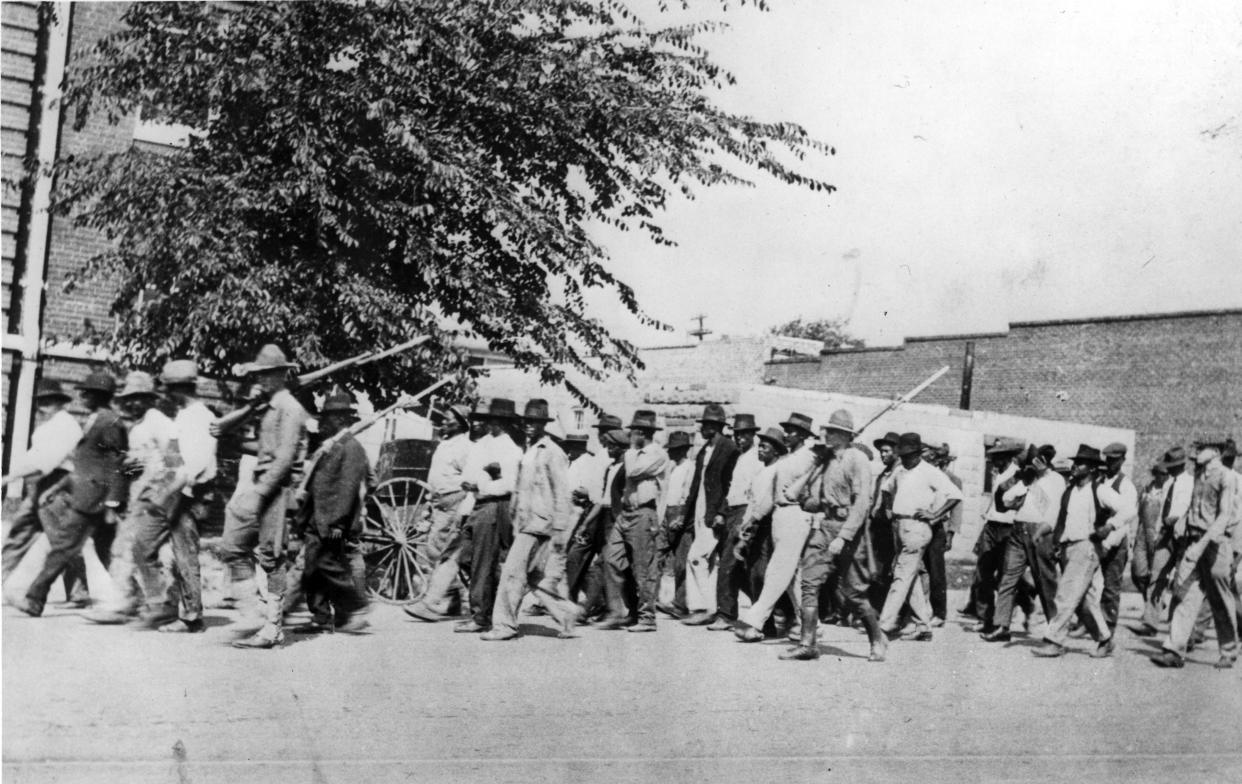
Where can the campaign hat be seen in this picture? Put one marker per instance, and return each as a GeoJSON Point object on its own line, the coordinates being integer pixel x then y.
{"type": "Point", "coordinates": [841, 420]}
{"type": "Point", "coordinates": [776, 437]}
{"type": "Point", "coordinates": [179, 371]}
{"type": "Point", "coordinates": [800, 421]}
{"type": "Point", "coordinates": [270, 357]}
{"type": "Point", "coordinates": [137, 383]}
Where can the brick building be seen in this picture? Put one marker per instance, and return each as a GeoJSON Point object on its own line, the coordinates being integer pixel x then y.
{"type": "Point", "coordinates": [1168, 377]}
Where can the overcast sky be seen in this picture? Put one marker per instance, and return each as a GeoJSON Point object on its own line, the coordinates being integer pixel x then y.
{"type": "Point", "coordinates": [996, 162]}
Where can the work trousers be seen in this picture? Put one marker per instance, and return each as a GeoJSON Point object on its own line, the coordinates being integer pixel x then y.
{"type": "Point", "coordinates": [24, 528]}
{"type": "Point", "coordinates": [1081, 583]}
{"type": "Point", "coordinates": [584, 562]}
{"type": "Point", "coordinates": [319, 605]}
{"type": "Point", "coordinates": [937, 573]}
{"type": "Point", "coordinates": [732, 574]}
{"type": "Point", "coordinates": [1113, 568]}
{"type": "Point", "coordinates": [852, 577]}
{"type": "Point", "coordinates": [445, 582]}
{"type": "Point", "coordinates": [154, 526]}
{"type": "Point", "coordinates": [1210, 576]}
{"type": "Point", "coordinates": [1147, 541]}
{"type": "Point", "coordinates": [790, 529]}
{"type": "Point", "coordinates": [884, 548]}
{"type": "Point", "coordinates": [486, 538]}
{"type": "Point", "coordinates": [1164, 558]}
{"type": "Point", "coordinates": [329, 579]}
{"type": "Point", "coordinates": [906, 588]}
{"type": "Point", "coordinates": [701, 568]}
{"type": "Point", "coordinates": [1029, 546]}
{"type": "Point", "coordinates": [630, 555]}
{"type": "Point", "coordinates": [673, 546]}
{"type": "Point", "coordinates": [257, 535]}
{"type": "Point", "coordinates": [990, 550]}
{"type": "Point", "coordinates": [532, 564]}
{"type": "Point", "coordinates": [67, 530]}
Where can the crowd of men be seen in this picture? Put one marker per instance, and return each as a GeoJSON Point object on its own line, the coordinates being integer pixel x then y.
{"type": "Point", "coordinates": [808, 524]}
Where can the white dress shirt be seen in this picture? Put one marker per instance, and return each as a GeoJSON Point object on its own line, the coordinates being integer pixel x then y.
{"type": "Point", "coordinates": [1043, 499]}
{"type": "Point", "coordinates": [194, 443]}
{"type": "Point", "coordinates": [52, 444]}
{"type": "Point", "coordinates": [923, 488]}
{"type": "Point", "coordinates": [149, 439]}
{"type": "Point", "coordinates": [744, 471]}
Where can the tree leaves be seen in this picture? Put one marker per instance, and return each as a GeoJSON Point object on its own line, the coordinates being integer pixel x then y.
{"type": "Point", "coordinates": [366, 171]}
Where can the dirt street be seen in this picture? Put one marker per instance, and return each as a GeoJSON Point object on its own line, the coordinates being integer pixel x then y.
{"type": "Point", "coordinates": [415, 702]}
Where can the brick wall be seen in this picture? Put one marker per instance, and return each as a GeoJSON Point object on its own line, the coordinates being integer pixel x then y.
{"type": "Point", "coordinates": [1169, 378]}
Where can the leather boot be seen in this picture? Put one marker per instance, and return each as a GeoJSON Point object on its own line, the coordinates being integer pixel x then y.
{"type": "Point", "coordinates": [810, 624]}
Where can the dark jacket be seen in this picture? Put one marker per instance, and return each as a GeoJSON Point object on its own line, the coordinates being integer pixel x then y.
{"type": "Point", "coordinates": [335, 487]}
{"type": "Point", "coordinates": [98, 478]}
{"type": "Point", "coordinates": [716, 478]}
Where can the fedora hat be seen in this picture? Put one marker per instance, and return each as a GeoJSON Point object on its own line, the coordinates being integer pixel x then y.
{"type": "Point", "coordinates": [1115, 449]}
{"type": "Point", "coordinates": [678, 439]}
{"type": "Point", "coordinates": [99, 381]}
{"type": "Point", "coordinates": [179, 371]}
{"type": "Point", "coordinates": [1174, 457]}
{"type": "Point", "coordinates": [339, 403]}
{"type": "Point", "coordinates": [800, 421]}
{"type": "Point", "coordinates": [1005, 446]}
{"type": "Point", "coordinates": [890, 438]}
{"type": "Point", "coordinates": [744, 423]}
{"type": "Point", "coordinates": [49, 388]}
{"type": "Point", "coordinates": [909, 443]}
{"type": "Point", "coordinates": [577, 438]}
{"type": "Point", "coordinates": [608, 422]}
{"type": "Point", "coordinates": [644, 419]}
{"type": "Point", "coordinates": [461, 412]}
{"type": "Point", "coordinates": [270, 357]}
{"type": "Point", "coordinates": [776, 437]}
{"type": "Point", "coordinates": [497, 408]}
{"type": "Point", "coordinates": [840, 420]}
{"type": "Point", "coordinates": [615, 437]}
{"type": "Point", "coordinates": [536, 410]}
{"type": "Point", "coordinates": [715, 414]}
{"type": "Point", "coordinates": [1087, 454]}
{"type": "Point", "coordinates": [137, 383]}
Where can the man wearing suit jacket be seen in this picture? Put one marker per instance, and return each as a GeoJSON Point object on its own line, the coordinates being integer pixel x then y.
{"type": "Point", "coordinates": [706, 509]}
{"type": "Point", "coordinates": [335, 489]}
{"type": "Point", "coordinates": [542, 514]}
{"type": "Point", "coordinates": [98, 494]}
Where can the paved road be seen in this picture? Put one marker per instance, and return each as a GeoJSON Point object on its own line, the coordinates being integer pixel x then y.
{"type": "Point", "coordinates": [413, 702]}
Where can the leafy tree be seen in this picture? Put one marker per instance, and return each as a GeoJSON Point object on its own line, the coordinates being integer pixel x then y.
{"type": "Point", "coordinates": [362, 172]}
{"type": "Point", "coordinates": [831, 332]}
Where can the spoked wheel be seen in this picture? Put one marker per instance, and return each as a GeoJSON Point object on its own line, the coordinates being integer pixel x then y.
{"type": "Point", "coordinates": [394, 540]}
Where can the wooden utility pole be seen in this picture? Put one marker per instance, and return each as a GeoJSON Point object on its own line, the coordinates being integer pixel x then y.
{"type": "Point", "coordinates": [700, 332]}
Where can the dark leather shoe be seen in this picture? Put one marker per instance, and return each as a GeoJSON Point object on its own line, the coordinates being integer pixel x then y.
{"type": "Point", "coordinates": [1049, 650]}
{"type": "Point", "coordinates": [1104, 649]}
{"type": "Point", "coordinates": [671, 610]}
{"type": "Point", "coordinates": [747, 633]}
{"type": "Point", "coordinates": [183, 627]}
{"type": "Point", "coordinates": [1225, 663]}
{"type": "Point", "coordinates": [1168, 659]}
{"type": "Point", "coordinates": [469, 627]}
{"type": "Point", "coordinates": [801, 653]}
{"type": "Point", "coordinates": [260, 641]}
{"type": "Point", "coordinates": [997, 635]}
{"type": "Point", "coordinates": [1144, 630]}
{"type": "Point", "coordinates": [699, 618]}
{"type": "Point", "coordinates": [918, 636]}
{"type": "Point", "coordinates": [312, 627]}
{"type": "Point", "coordinates": [720, 625]}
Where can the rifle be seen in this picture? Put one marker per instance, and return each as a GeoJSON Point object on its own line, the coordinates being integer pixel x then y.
{"type": "Point", "coordinates": [234, 418]}
{"type": "Point", "coordinates": [406, 401]}
{"type": "Point", "coordinates": [906, 398]}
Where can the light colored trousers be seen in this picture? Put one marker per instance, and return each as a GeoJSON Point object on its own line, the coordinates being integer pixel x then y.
{"type": "Point", "coordinates": [700, 575]}
{"type": "Point", "coordinates": [1208, 577]}
{"type": "Point", "coordinates": [1080, 587]}
{"type": "Point", "coordinates": [532, 564]}
{"type": "Point", "coordinates": [791, 527]}
{"type": "Point", "coordinates": [906, 587]}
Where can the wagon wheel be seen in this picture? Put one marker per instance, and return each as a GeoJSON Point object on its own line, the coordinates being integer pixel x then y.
{"type": "Point", "coordinates": [394, 540]}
